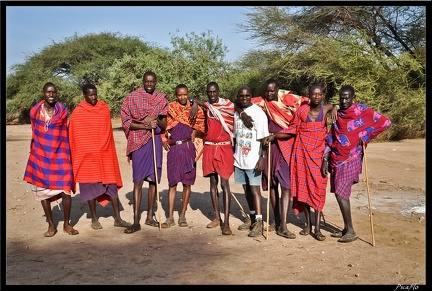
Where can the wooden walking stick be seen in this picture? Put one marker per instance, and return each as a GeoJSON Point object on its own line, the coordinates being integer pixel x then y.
{"type": "Point", "coordinates": [157, 180]}
{"type": "Point", "coordinates": [369, 198]}
{"type": "Point", "coordinates": [241, 207]}
{"type": "Point", "coordinates": [268, 190]}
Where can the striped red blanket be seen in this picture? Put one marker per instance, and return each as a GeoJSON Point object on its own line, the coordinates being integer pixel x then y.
{"type": "Point", "coordinates": [307, 183]}
{"type": "Point", "coordinates": [135, 108]}
{"type": "Point", "coordinates": [223, 110]}
{"type": "Point", "coordinates": [94, 156]}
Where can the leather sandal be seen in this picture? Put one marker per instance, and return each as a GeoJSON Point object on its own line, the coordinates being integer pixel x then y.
{"type": "Point", "coordinates": [319, 236]}
{"type": "Point", "coordinates": [349, 237]}
{"type": "Point", "coordinates": [168, 223]}
{"type": "Point", "coordinates": [96, 225]}
{"type": "Point", "coordinates": [122, 223]}
{"type": "Point", "coordinates": [133, 228]}
{"type": "Point", "coordinates": [71, 231]}
{"type": "Point", "coordinates": [152, 223]}
{"type": "Point", "coordinates": [338, 234]}
{"type": "Point", "coordinates": [50, 233]}
{"type": "Point", "coordinates": [305, 231]}
{"type": "Point", "coordinates": [286, 233]}
{"type": "Point", "coordinates": [182, 222]}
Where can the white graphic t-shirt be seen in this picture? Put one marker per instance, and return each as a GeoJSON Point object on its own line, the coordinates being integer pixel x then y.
{"type": "Point", "coordinates": [248, 145]}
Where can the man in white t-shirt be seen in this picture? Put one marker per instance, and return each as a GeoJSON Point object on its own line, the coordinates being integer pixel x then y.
{"type": "Point", "coordinates": [249, 156]}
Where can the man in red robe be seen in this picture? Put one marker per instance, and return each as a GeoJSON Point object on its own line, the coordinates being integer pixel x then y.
{"type": "Point", "coordinates": [355, 127]}
{"type": "Point", "coordinates": [218, 155]}
{"type": "Point", "coordinates": [94, 157]}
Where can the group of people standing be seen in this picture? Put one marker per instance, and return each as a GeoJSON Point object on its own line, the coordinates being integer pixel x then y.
{"type": "Point", "coordinates": [280, 140]}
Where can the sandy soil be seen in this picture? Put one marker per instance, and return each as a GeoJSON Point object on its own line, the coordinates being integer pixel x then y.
{"type": "Point", "coordinates": [197, 255]}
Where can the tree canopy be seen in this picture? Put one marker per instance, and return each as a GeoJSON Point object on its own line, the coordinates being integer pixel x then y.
{"type": "Point", "coordinates": [379, 50]}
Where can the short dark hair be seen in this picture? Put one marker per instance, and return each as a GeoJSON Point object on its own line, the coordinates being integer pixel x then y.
{"type": "Point", "coordinates": [48, 84]}
{"type": "Point", "coordinates": [213, 84]}
{"type": "Point", "coordinates": [149, 73]}
{"type": "Point", "coordinates": [316, 85]}
{"type": "Point", "coordinates": [180, 86]}
{"type": "Point", "coordinates": [347, 88]}
{"type": "Point", "coordinates": [88, 86]}
{"type": "Point", "coordinates": [271, 81]}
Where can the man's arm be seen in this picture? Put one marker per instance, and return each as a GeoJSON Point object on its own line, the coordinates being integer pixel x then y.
{"type": "Point", "coordinates": [194, 108]}
{"type": "Point", "coordinates": [334, 110]}
{"type": "Point", "coordinates": [247, 120]}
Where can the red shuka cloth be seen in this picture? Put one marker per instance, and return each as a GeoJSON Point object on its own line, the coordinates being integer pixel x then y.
{"type": "Point", "coordinates": [94, 156]}
{"type": "Point", "coordinates": [307, 183]}
{"type": "Point", "coordinates": [282, 111]}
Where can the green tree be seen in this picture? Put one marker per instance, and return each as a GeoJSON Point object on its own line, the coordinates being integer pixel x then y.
{"type": "Point", "coordinates": [197, 60]}
{"type": "Point", "coordinates": [126, 74]}
{"type": "Point", "coordinates": [379, 50]}
{"type": "Point", "coordinates": [194, 60]}
{"type": "Point", "coordinates": [116, 64]}
{"type": "Point", "coordinates": [67, 64]}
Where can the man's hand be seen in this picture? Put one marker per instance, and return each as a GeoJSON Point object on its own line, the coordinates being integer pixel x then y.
{"type": "Point", "coordinates": [150, 122]}
{"type": "Point", "coordinates": [166, 145]}
{"type": "Point", "coordinates": [259, 167]}
{"type": "Point", "coordinates": [324, 167]}
{"type": "Point", "coordinates": [194, 111]}
{"type": "Point", "coordinates": [333, 113]}
{"type": "Point", "coordinates": [267, 140]}
{"type": "Point", "coordinates": [247, 120]}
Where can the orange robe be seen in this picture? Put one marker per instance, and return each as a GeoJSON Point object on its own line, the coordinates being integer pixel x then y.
{"type": "Point", "coordinates": [177, 113]}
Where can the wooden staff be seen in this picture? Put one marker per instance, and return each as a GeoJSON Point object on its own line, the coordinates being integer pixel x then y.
{"type": "Point", "coordinates": [157, 180]}
{"type": "Point", "coordinates": [241, 207]}
{"type": "Point", "coordinates": [268, 189]}
{"type": "Point", "coordinates": [369, 198]}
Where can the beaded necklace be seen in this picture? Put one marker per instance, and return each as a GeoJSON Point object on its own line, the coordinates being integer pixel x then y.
{"type": "Point", "coordinates": [47, 116]}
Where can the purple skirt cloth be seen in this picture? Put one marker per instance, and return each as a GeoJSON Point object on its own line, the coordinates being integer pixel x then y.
{"type": "Point", "coordinates": [89, 191]}
{"type": "Point", "coordinates": [181, 158]}
{"type": "Point", "coordinates": [143, 162]}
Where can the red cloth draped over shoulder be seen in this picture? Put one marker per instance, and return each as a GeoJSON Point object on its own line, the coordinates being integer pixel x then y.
{"type": "Point", "coordinates": [94, 156]}
{"type": "Point", "coordinates": [223, 110]}
{"type": "Point", "coordinates": [281, 111]}
{"type": "Point", "coordinates": [357, 122]}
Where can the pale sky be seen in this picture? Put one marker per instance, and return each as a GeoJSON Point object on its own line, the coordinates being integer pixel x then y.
{"type": "Point", "coordinates": [29, 29]}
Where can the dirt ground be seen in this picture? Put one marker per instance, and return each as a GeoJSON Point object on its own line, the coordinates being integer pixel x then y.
{"type": "Point", "coordinates": [197, 255]}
